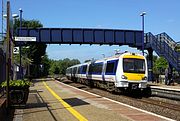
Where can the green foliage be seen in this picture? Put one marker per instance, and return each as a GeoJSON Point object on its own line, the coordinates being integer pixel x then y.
{"type": "Point", "coordinates": [177, 48]}
{"type": "Point", "coordinates": [35, 53]}
{"type": "Point", "coordinates": [56, 70]}
{"type": "Point", "coordinates": [160, 65]}
{"type": "Point", "coordinates": [16, 83]}
{"type": "Point", "coordinates": [60, 66]}
{"type": "Point", "coordinates": [46, 65]}
{"type": "Point", "coordinates": [27, 23]}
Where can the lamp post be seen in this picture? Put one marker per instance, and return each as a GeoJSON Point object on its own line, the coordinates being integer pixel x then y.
{"type": "Point", "coordinates": [117, 51]}
{"type": "Point", "coordinates": [143, 14]}
{"type": "Point", "coordinates": [15, 16]}
{"type": "Point", "coordinates": [20, 51]}
{"type": "Point", "coordinates": [103, 55]}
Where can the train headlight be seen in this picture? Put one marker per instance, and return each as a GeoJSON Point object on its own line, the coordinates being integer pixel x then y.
{"type": "Point", "coordinates": [123, 77]}
{"type": "Point", "coordinates": [144, 78]}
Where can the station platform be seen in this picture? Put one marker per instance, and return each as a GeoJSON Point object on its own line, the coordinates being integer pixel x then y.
{"type": "Point", "coordinates": [174, 87]}
{"type": "Point", "coordinates": [50, 100]}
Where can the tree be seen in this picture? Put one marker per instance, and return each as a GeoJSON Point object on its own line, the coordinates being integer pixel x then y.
{"type": "Point", "coordinates": [46, 65]}
{"type": "Point", "coordinates": [26, 23]}
{"type": "Point", "coordinates": [35, 52]}
{"type": "Point", "coordinates": [61, 65]}
{"type": "Point", "coordinates": [67, 63]}
{"type": "Point", "coordinates": [160, 65]}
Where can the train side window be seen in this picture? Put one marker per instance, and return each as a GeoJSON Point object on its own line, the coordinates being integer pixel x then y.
{"type": "Point", "coordinates": [79, 69]}
{"type": "Point", "coordinates": [74, 70]}
{"type": "Point", "coordinates": [90, 69]}
{"type": "Point", "coordinates": [84, 68]}
{"type": "Point", "coordinates": [67, 71]}
{"type": "Point", "coordinates": [70, 70]}
{"type": "Point", "coordinates": [111, 67]}
{"type": "Point", "coordinates": [96, 68]}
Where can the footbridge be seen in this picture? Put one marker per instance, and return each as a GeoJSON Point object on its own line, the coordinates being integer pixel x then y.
{"type": "Point", "coordinates": [132, 38]}
{"type": "Point", "coordinates": [162, 44]}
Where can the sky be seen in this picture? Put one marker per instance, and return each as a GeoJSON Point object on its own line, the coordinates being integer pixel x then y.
{"type": "Point", "coordinates": [162, 16]}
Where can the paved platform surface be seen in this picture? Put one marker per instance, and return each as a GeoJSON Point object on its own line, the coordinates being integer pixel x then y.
{"type": "Point", "coordinates": [175, 87]}
{"type": "Point", "coordinates": [54, 101]}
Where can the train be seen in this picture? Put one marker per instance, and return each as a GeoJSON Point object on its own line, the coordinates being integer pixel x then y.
{"type": "Point", "coordinates": [125, 71]}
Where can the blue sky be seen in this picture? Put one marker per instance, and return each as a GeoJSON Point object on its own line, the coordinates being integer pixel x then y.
{"type": "Point", "coordinates": [162, 16]}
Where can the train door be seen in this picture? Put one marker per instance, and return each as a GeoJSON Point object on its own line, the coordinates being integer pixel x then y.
{"type": "Point", "coordinates": [103, 71]}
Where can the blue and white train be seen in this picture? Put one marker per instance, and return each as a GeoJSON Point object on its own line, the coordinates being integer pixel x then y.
{"type": "Point", "coordinates": [124, 71]}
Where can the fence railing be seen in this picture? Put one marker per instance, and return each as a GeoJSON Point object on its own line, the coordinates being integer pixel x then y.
{"type": "Point", "coordinates": [2, 91]}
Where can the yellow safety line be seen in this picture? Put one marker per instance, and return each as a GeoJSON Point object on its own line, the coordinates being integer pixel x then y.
{"type": "Point", "coordinates": [66, 105]}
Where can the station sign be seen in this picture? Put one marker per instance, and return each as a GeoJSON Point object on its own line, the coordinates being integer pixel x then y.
{"type": "Point", "coordinates": [30, 39]}
{"type": "Point", "coordinates": [16, 50]}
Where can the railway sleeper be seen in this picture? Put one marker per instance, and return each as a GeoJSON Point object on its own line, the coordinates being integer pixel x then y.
{"type": "Point", "coordinates": [110, 87]}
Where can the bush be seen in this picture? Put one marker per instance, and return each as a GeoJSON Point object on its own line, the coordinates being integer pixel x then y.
{"type": "Point", "coordinates": [18, 91]}
{"type": "Point", "coordinates": [17, 83]}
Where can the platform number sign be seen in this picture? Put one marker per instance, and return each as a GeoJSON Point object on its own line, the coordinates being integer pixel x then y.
{"type": "Point", "coordinates": [16, 50]}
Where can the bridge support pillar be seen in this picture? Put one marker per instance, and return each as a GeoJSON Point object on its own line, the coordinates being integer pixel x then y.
{"type": "Point", "coordinates": [170, 71]}
{"type": "Point", "coordinates": [150, 64]}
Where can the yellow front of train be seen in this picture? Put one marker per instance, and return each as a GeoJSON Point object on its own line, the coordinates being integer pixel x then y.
{"type": "Point", "coordinates": [132, 71]}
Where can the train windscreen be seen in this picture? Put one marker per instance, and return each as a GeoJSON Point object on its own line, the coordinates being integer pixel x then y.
{"type": "Point", "coordinates": [133, 65]}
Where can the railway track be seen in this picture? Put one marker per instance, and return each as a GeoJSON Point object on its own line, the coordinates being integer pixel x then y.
{"type": "Point", "coordinates": [154, 102]}
{"type": "Point", "coordinates": [163, 104]}
{"type": "Point", "coordinates": [170, 94]}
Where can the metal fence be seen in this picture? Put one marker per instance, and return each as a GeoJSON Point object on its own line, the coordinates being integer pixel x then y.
{"type": "Point", "coordinates": [2, 70]}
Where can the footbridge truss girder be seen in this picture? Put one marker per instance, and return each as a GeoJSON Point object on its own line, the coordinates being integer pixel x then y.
{"type": "Point", "coordinates": [132, 38]}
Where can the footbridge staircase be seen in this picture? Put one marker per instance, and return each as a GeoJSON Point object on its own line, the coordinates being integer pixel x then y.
{"type": "Point", "coordinates": [164, 46]}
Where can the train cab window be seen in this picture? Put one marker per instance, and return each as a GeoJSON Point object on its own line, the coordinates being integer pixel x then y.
{"type": "Point", "coordinates": [84, 68]}
{"type": "Point", "coordinates": [111, 67]}
{"type": "Point", "coordinates": [131, 65]}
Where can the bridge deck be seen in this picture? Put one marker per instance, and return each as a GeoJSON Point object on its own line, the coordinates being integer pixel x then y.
{"type": "Point", "coordinates": [84, 36]}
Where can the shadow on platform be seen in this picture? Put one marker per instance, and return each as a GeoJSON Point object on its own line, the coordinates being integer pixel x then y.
{"type": "Point", "coordinates": [75, 102]}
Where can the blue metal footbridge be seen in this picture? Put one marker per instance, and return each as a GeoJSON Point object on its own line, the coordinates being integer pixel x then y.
{"type": "Point", "coordinates": [162, 44]}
